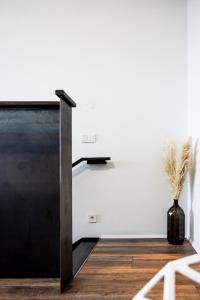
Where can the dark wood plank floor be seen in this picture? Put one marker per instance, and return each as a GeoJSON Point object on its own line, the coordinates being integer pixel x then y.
{"type": "Point", "coordinates": [116, 269]}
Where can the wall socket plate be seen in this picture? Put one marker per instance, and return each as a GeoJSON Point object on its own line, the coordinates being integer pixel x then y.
{"type": "Point", "coordinates": [88, 138]}
{"type": "Point", "coordinates": [92, 218]}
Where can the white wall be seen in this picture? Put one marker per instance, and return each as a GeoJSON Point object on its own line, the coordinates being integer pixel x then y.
{"type": "Point", "coordinates": [124, 63]}
{"type": "Point", "coordinates": [194, 117]}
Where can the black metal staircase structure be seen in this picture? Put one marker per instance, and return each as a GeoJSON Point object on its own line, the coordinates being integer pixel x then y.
{"type": "Point", "coordinates": [36, 191]}
{"type": "Point", "coordinates": [83, 247]}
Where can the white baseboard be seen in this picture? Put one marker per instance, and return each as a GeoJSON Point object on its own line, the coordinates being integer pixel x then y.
{"type": "Point", "coordinates": [133, 236]}
{"type": "Point", "coordinates": [196, 246]}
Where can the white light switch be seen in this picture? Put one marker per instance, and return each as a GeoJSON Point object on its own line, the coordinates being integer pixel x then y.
{"type": "Point", "coordinates": [88, 138]}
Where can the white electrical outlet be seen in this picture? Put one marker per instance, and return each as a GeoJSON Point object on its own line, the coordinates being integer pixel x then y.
{"type": "Point", "coordinates": [92, 218]}
{"type": "Point", "coordinates": [88, 138]}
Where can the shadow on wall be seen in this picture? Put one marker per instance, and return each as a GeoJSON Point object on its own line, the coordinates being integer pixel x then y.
{"type": "Point", "coordinates": [192, 187]}
{"type": "Point", "coordinates": [83, 167]}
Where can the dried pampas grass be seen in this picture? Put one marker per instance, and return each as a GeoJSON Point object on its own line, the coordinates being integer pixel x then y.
{"type": "Point", "coordinates": [177, 166]}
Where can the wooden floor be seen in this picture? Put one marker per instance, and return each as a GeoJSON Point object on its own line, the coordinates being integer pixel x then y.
{"type": "Point", "coordinates": [116, 269]}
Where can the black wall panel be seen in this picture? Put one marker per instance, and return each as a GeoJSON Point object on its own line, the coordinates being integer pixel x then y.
{"type": "Point", "coordinates": [29, 192]}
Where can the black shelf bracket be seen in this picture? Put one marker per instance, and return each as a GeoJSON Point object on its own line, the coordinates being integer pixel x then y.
{"type": "Point", "coordinates": [92, 160]}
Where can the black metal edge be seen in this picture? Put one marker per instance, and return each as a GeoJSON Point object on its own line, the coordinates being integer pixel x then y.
{"type": "Point", "coordinates": [97, 160]}
{"type": "Point", "coordinates": [66, 273]}
{"type": "Point", "coordinates": [92, 160]}
{"type": "Point", "coordinates": [62, 95]}
{"type": "Point", "coordinates": [29, 103]}
{"type": "Point", "coordinates": [77, 162]}
{"type": "Point", "coordinates": [88, 239]}
{"type": "Point", "coordinates": [75, 244]}
{"type": "Point", "coordinates": [80, 257]}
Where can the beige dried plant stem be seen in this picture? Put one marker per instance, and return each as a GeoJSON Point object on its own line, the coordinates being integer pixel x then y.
{"type": "Point", "coordinates": [176, 167]}
{"type": "Point", "coordinates": [170, 166]}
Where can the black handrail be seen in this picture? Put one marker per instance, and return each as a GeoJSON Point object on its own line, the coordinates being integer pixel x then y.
{"type": "Point", "coordinates": [92, 160]}
{"type": "Point", "coordinates": [62, 95]}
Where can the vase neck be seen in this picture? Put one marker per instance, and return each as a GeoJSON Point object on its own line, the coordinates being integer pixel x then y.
{"type": "Point", "coordinates": [176, 202]}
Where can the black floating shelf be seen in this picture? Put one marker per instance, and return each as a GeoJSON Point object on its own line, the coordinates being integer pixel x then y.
{"type": "Point", "coordinates": [92, 160]}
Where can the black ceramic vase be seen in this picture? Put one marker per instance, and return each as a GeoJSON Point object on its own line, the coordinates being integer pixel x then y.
{"type": "Point", "coordinates": [175, 224]}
